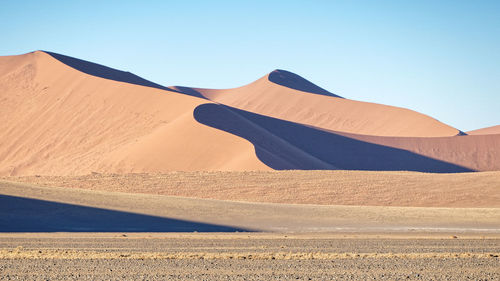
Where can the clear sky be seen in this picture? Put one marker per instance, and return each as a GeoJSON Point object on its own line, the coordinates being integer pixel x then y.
{"type": "Point", "coordinates": [441, 58]}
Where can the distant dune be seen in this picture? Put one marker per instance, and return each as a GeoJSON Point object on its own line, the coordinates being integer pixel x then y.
{"type": "Point", "coordinates": [65, 116]}
{"type": "Point", "coordinates": [478, 153]}
{"type": "Point", "coordinates": [493, 130]}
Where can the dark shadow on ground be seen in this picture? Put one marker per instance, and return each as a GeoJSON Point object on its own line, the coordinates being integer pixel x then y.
{"type": "Point", "coordinates": [18, 214]}
{"type": "Point", "coordinates": [294, 81]}
{"type": "Point", "coordinates": [102, 71]}
{"type": "Point", "coordinates": [283, 145]}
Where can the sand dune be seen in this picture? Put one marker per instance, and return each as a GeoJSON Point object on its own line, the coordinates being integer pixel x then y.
{"type": "Point", "coordinates": [475, 153]}
{"type": "Point", "coordinates": [339, 150]}
{"type": "Point", "coordinates": [493, 130]}
{"type": "Point", "coordinates": [58, 120]}
{"type": "Point", "coordinates": [278, 95]}
{"type": "Point", "coordinates": [65, 116]}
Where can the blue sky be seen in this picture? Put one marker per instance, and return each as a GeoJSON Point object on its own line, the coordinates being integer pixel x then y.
{"type": "Point", "coordinates": [441, 58]}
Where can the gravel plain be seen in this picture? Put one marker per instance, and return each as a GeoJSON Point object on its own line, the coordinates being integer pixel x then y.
{"type": "Point", "coordinates": [247, 256]}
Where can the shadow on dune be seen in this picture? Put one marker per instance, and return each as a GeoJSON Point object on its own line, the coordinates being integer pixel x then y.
{"type": "Point", "coordinates": [294, 81]}
{"type": "Point", "coordinates": [281, 77]}
{"type": "Point", "coordinates": [286, 145]}
{"type": "Point", "coordinates": [19, 214]}
{"type": "Point", "coordinates": [188, 91]}
{"type": "Point", "coordinates": [102, 71]}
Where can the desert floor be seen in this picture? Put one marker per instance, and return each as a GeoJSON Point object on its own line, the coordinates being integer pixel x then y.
{"type": "Point", "coordinates": [355, 225]}
{"type": "Point", "coordinates": [248, 256]}
{"type": "Point", "coordinates": [31, 208]}
{"type": "Point", "coordinates": [360, 188]}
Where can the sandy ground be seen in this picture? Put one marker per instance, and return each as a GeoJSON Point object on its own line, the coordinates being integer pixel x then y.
{"type": "Point", "coordinates": [405, 189]}
{"type": "Point", "coordinates": [62, 233]}
{"type": "Point", "coordinates": [29, 208]}
{"type": "Point", "coordinates": [150, 256]}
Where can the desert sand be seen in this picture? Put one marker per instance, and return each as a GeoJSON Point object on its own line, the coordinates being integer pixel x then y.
{"type": "Point", "coordinates": [473, 153]}
{"type": "Point", "coordinates": [308, 104]}
{"type": "Point", "coordinates": [65, 116]}
{"type": "Point", "coordinates": [73, 233]}
{"type": "Point", "coordinates": [493, 130]}
{"type": "Point", "coordinates": [357, 188]}
{"type": "Point", "coordinates": [58, 120]}
{"type": "Point", "coordinates": [76, 234]}
{"type": "Point", "coordinates": [106, 175]}
{"type": "Point", "coordinates": [31, 208]}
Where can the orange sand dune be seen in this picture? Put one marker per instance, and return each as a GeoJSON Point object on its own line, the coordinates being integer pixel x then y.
{"type": "Point", "coordinates": [65, 116]}
{"type": "Point", "coordinates": [58, 120]}
{"type": "Point", "coordinates": [287, 96]}
{"type": "Point", "coordinates": [493, 130]}
{"type": "Point", "coordinates": [479, 153]}
{"type": "Point", "coordinates": [339, 150]}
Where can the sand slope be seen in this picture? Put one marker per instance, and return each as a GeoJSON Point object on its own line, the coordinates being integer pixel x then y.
{"type": "Point", "coordinates": [279, 95]}
{"type": "Point", "coordinates": [65, 116]}
{"type": "Point", "coordinates": [477, 153]}
{"type": "Point", "coordinates": [58, 120]}
{"type": "Point", "coordinates": [359, 188]}
{"type": "Point", "coordinates": [493, 130]}
{"type": "Point", "coordinates": [345, 151]}
{"type": "Point", "coordinates": [115, 211]}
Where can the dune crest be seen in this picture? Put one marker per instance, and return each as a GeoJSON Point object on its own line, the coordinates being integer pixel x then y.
{"type": "Point", "coordinates": [493, 130]}
{"type": "Point", "coordinates": [294, 81]}
{"type": "Point", "coordinates": [287, 96]}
